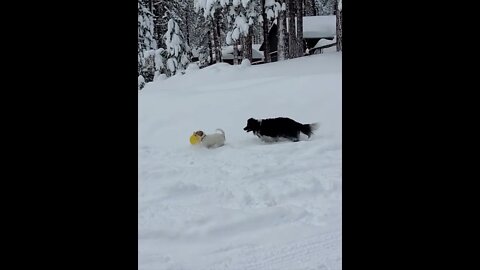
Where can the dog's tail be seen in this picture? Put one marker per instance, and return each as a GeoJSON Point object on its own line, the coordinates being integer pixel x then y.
{"type": "Point", "coordinates": [308, 129]}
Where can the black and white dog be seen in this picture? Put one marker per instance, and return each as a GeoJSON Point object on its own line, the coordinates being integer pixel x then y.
{"type": "Point", "coordinates": [281, 127]}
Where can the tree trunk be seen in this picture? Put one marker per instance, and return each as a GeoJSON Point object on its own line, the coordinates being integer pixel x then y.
{"type": "Point", "coordinates": [285, 34]}
{"type": "Point", "coordinates": [247, 50]}
{"type": "Point", "coordinates": [235, 52]}
{"type": "Point", "coordinates": [187, 14]}
{"type": "Point", "coordinates": [339, 27]}
{"type": "Point", "coordinates": [219, 35]}
{"type": "Point", "coordinates": [210, 49]}
{"type": "Point", "coordinates": [157, 29]}
{"type": "Point", "coordinates": [242, 46]}
{"type": "Point", "coordinates": [300, 44]}
{"type": "Point", "coordinates": [266, 51]}
{"type": "Point", "coordinates": [150, 5]}
{"type": "Point", "coordinates": [281, 34]}
{"type": "Point", "coordinates": [216, 43]}
{"type": "Point", "coordinates": [292, 40]}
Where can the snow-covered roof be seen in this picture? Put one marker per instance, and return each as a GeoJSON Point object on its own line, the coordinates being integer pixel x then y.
{"type": "Point", "coordinates": [323, 42]}
{"type": "Point", "coordinates": [319, 26]}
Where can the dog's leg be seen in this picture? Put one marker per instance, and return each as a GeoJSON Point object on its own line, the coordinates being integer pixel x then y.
{"type": "Point", "coordinates": [296, 138]}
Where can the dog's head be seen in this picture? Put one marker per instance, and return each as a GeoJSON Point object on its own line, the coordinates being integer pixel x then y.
{"type": "Point", "coordinates": [252, 125]}
{"type": "Point", "coordinates": [199, 133]}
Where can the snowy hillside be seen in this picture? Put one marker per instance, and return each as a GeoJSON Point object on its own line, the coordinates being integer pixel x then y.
{"type": "Point", "coordinates": [248, 204]}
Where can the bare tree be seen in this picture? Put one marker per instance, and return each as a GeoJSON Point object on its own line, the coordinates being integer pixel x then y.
{"type": "Point", "coordinates": [282, 52]}
{"type": "Point", "coordinates": [338, 8]}
{"type": "Point", "coordinates": [299, 8]}
{"type": "Point", "coordinates": [292, 39]}
{"type": "Point", "coordinates": [219, 35]}
{"type": "Point", "coordinates": [266, 51]}
{"type": "Point", "coordinates": [216, 41]}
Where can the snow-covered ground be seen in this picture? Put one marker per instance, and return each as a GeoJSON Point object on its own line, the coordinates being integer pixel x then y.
{"type": "Point", "coordinates": [248, 204]}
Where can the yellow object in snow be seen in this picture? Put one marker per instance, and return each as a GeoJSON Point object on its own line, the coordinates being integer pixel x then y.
{"type": "Point", "coordinates": [194, 139]}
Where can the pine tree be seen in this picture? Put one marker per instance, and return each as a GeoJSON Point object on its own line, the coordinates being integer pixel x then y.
{"type": "Point", "coordinates": [166, 9]}
{"type": "Point", "coordinates": [146, 42]}
{"type": "Point", "coordinates": [232, 38]}
{"type": "Point", "coordinates": [178, 54]}
{"type": "Point", "coordinates": [199, 35]}
{"type": "Point", "coordinates": [211, 11]}
{"type": "Point", "coordinates": [189, 18]}
{"type": "Point", "coordinates": [310, 8]}
{"type": "Point", "coordinates": [326, 7]}
{"type": "Point", "coordinates": [159, 10]}
{"type": "Point", "coordinates": [244, 15]}
{"type": "Point", "coordinates": [206, 47]}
